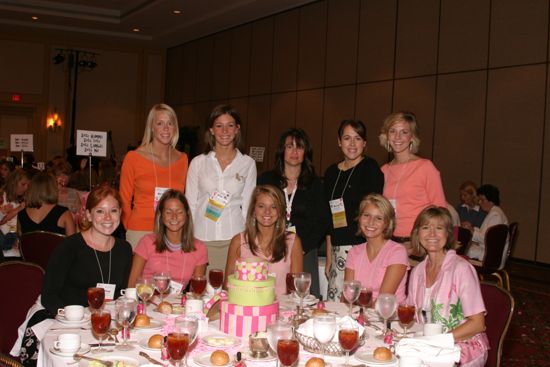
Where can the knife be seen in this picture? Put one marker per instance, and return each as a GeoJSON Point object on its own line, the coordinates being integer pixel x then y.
{"type": "Point", "coordinates": [149, 358]}
{"type": "Point", "coordinates": [102, 344]}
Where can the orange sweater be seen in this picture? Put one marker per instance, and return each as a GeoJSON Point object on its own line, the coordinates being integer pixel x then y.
{"type": "Point", "coordinates": [138, 180]}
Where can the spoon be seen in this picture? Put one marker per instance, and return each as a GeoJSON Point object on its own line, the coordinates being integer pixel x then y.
{"type": "Point", "coordinates": [114, 333]}
{"type": "Point", "coordinates": [78, 357]}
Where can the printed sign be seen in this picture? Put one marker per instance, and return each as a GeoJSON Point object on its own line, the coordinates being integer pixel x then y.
{"type": "Point", "coordinates": [91, 143]}
{"type": "Point", "coordinates": [21, 143]}
{"type": "Point", "coordinates": [257, 153]}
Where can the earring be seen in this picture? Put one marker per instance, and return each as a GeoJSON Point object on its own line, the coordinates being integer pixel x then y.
{"type": "Point", "coordinates": [388, 147]}
{"type": "Point", "coordinates": [254, 221]}
{"type": "Point", "coordinates": [411, 146]}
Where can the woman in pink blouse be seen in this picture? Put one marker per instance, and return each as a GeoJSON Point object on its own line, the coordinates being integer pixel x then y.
{"type": "Point", "coordinates": [380, 263]}
{"type": "Point", "coordinates": [411, 183]}
{"type": "Point", "coordinates": [446, 287]}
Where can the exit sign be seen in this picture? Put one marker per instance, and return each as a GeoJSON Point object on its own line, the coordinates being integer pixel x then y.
{"type": "Point", "coordinates": [16, 98]}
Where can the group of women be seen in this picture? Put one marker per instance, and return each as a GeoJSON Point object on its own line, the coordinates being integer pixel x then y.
{"type": "Point", "coordinates": [283, 216]}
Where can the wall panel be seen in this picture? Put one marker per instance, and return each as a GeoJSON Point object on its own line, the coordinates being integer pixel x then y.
{"type": "Point", "coordinates": [309, 116]}
{"type": "Point", "coordinates": [543, 234]}
{"type": "Point", "coordinates": [174, 72]}
{"type": "Point", "coordinates": [25, 74]}
{"type": "Point", "coordinates": [259, 117]}
{"type": "Point", "coordinates": [221, 65]}
{"type": "Point", "coordinates": [283, 115]}
{"type": "Point", "coordinates": [205, 56]}
{"type": "Point", "coordinates": [261, 56]}
{"type": "Point", "coordinates": [285, 52]}
{"type": "Point", "coordinates": [240, 61]}
{"type": "Point", "coordinates": [311, 47]}
{"type": "Point", "coordinates": [189, 72]}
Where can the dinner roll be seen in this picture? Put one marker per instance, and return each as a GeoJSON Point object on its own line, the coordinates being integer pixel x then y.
{"type": "Point", "coordinates": [142, 320]}
{"type": "Point", "coordinates": [382, 354]}
{"type": "Point", "coordinates": [155, 341]}
{"type": "Point", "coordinates": [219, 358]}
{"type": "Point", "coordinates": [315, 362]}
{"type": "Point", "coordinates": [319, 311]}
{"type": "Point", "coordinates": [165, 308]}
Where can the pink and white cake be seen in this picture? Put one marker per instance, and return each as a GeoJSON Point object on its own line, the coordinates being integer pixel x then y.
{"type": "Point", "coordinates": [251, 304]}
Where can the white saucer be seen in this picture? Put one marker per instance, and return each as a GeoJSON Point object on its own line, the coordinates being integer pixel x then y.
{"type": "Point", "coordinates": [368, 358]}
{"type": "Point", "coordinates": [204, 360]}
{"type": "Point", "coordinates": [248, 356]}
{"type": "Point", "coordinates": [154, 324]}
{"type": "Point", "coordinates": [84, 348]}
{"type": "Point", "coordinates": [128, 361]}
{"type": "Point", "coordinates": [63, 320]}
{"type": "Point", "coordinates": [144, 343]}
{"type": "Point", "coordinates": [220, 341]}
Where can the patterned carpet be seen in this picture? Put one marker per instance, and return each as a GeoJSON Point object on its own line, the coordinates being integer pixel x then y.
{"type": "Point", "coordinates": [528, 339]}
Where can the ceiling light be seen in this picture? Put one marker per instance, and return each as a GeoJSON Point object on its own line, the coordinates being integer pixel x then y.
{"type": "Point", "coordinates": [34, 17]}
{"type": "Point", "coordinates": [176, 11]}
{"type": "Point", "coordinates": [136, 29]}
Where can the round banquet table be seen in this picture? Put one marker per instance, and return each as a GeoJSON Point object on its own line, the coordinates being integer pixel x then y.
{"type": "Point", "coordinates": [48, 359]}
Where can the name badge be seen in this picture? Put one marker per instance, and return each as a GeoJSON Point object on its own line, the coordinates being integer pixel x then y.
{"type": "Point", "coordinates": [109, 290]}
{"type": "Point", "coordinates": [158, 193]}
{"type": "Point", "coordinates": [175, 287]}
{"type": "Point", "coordinates": [291, 228]}
{"type": "Point", "coordinates": [216, 204]}
{"type": "Point", "coordinates": [338, 211]}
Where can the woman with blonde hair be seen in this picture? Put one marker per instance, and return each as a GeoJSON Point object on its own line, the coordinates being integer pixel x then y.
{"type": "Point", "coordinates": [150, 170]}
{"type": "Point", "coordinates": [411, 183]}
{"type": "Point", "coordinates": [266, 237]}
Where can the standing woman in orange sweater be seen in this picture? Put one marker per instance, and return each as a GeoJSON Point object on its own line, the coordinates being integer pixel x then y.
{"type": "Point", "coordinates": [150, 170]}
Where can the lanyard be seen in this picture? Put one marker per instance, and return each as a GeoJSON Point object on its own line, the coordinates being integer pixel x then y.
{"type": "Point", "coordinates": [345, 186]}
{"type": "Point", "coordinates": [155, 166]}
{"type": "Point", "coordinates": [289, 201]}
{"type": "Point", "coordinates": [101, 270]}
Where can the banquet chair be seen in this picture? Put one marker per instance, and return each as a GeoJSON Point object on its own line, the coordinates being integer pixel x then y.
{"type": "Point", "coordinates": [21, 282]}
{"type": "Point", "coordinates": [499, 304]}
{"type": "Point", "coordinates": [495, 245]}
{"type": "Point", "coordinates": [8, 361]}
{"type": "Point", "coordinates": [37, 246]}
{"type": "Point", "coordinates": [512, 238]}
{"type": "Point", "coordinates": [464, 238]}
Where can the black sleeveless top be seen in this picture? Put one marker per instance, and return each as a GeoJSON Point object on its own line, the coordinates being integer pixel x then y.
{"type": "Point", "coordinates": [49, 223]}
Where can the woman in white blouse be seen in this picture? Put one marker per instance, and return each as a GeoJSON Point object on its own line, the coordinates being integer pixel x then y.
{"type": "Point", "coordinates": [219, 185]}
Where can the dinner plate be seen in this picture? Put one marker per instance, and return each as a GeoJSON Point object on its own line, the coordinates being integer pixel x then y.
{"type": "Point", "coordinates": [128, 361]}
{"type": "Point", "coordinates": [154, 324]}
{"type": "Point", "coordinates": [203, 360]}
{"type": "Point", "coordinates": [63, 320]}
{"type": "Point", "coordinates": [220, 341]}
{"type": "Point", "coordinates": [309, 300]}
{"type": "Point", "coordinates": [84, 348]}
{"type": "Point", "coordinates": [144, 343]}
{"type": "Point", "coordinates": [368, 358]}
{"type": "Point", "coordinates": [248, 356]}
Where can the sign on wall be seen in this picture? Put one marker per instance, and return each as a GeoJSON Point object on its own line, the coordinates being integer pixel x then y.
{"type": "Point", "coordinates": [257, 153]}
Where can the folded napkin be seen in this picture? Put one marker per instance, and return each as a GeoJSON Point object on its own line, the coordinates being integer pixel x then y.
{"type": "Point", "coordinates": [39, 329]}
{"type": "Point", "coordinates": [436, 348]}
{"type": "Point", "coordinates": [307, 327]}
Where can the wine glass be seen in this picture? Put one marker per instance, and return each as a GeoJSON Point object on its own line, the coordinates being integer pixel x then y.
{"type": "Point", "coordinates": [215, 277]}
{"type": "Point", "coordinates": [187, 325]}
{"type": "Point", "coordinates": [278, 330]}
{"type": "Point", "coordinates": [162, 282]}
{"type": "Point", "coordinates": [101, 320]}
{"type": "Point", "coordinates": [177, 345]}
{"type": "Point", "coordinates": [348, 336]}
{"type": "Point", "coordinates": [365, 297]}
{"type": "Point", "coordinates": [324, 328]}
{"type": "Point", "coordinates": [385, 306]}
{"type": "Point", "coordinates": [406, 313]}
{"type": "Point", "coordinates": [302, 282]}
{"type": "Point", "coordinates": [288, 351]}
{"type": "Point", "coordinates": [352, 288]}
{"type": "Point", "coordinates": [96, 298]}
{"type": "Point", "coordinates": [198, 285]}
{"type": "Point", "coordinates": [126, 309]}
{"type": "Point", "coordinates": [145, 290]}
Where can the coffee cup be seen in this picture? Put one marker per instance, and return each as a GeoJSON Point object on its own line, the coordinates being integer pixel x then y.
{"type": "Point", "coordinates": [67, 343]}
{"type": "Point", "coordinates": [433, 329]}
{"type": "Point", "coordinates": [193, 306]}
{"type": "Point", "coordinates": [129, 293]}
{"type": "Point", "coordinates": [410, 361]}
{"type": "Point", "coordinates": [72, 313]}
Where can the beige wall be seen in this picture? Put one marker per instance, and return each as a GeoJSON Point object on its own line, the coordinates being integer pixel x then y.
{"type": "Point", "coordinates": [474, 72]}
{"type": "Point", "coordinates": [115, 96]}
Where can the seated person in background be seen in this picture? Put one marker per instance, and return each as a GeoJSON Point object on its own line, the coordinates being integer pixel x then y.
{"type": "Point", "coordinates": [67, 197]}
{"type": "Point", "coordinates": [42, 212]}
{"type": "Point", "coordinates": [12, 202]}
{"type": "Point", "coordinates": [266, 237]}
{"type": "Point", "coordinates": [172, 247]}
{"type": "Point", "coordinates": [81, 261]}
{"type": "Point", "coordinates": [446, 288]}
{"type": "Point", "coordinates": [468, 210]}
{"type": "Point", "coordinates": [489, 201]}
{"type": "Point", "coordinates": [379, 263]}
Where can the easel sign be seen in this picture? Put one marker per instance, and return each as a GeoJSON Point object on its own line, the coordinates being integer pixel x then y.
{"type": "Point", "coordinates": [91, 143]}
{"type": "Point", "coordinates": [21, 143]}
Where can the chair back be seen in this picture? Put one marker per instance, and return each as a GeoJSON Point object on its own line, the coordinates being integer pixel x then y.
{"type": "Point", "coordinates": [21, 284]}
{"type": "Point", "coordinates": [37, 246]}
{"type": "Point", "coordinates": [9, 361]}
{"type": "Point", "coordinates": [499, 304]}
{"type": "Point", "coordinates": [495, 245]}
{"type": "Point", "coordinates": [464, 237]}
{"type": "Point", "coordinates": [513, 237]}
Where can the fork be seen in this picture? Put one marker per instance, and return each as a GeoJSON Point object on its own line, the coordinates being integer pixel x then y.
{"type": "Point", "coordinates": [78, 357]}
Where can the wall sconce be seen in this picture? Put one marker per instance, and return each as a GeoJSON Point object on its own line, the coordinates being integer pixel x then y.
{"type": "Point", "coordinates": [53, 122]}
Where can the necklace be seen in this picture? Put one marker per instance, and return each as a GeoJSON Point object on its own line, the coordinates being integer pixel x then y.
{"type": "Point", "coordinates": [94, 245]}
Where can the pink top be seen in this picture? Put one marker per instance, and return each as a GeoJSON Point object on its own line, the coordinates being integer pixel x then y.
{"type": "Point", "coordinates": [180, 264]}
{"type": "Point", "coordinates": [278, 269]}
{"type": "Point", "coordinates": [411, 187]}
{"type": "Point", "coordinates": [371, 273]}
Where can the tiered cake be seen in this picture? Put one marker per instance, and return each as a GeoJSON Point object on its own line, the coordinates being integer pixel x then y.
{"type": "Point", "coordinates": [251, 304]}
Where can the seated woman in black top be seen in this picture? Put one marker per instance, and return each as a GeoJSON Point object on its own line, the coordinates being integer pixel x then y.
{"type": "Point", "coordinates": [87, 259]}
{"type": "Point", "coordinates": [306, 208]}
{"type": "Point", "coordinates": [42, 212]}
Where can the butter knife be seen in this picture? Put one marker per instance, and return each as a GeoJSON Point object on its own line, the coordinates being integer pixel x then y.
{"type": "Point", "coordinates": [149, 358]}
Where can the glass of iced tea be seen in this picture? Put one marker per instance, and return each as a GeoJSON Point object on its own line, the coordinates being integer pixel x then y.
{"type": "Point", "coordinates": [288, 351]}
{"type": "Point", "coordinates": [365, 298]}
{"type": "Point", "coordinates": [290, 283]}
{"type": "Point", "coordinates": [405, 313]}
{"type": "Point", "coordinates": [96, 298]}
{"type": "Point", "coordinates": [215, 277]}
{"type": "Point", "coordinates": [348, 336]}
{"type": "Point", "coordinates": [177, 344]}
{"type": "Point", "coordinates": [101, 322]}
{"type": "Point", "coordinates": [198, 285]}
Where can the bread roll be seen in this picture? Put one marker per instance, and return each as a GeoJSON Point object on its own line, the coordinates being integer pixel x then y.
{"type": "Point", "coordinates": [315, 362]}
{"type": "Point", "coordinates": [219, 358]}
{"type": "Point", "coordinates": [155, 341]}
{"type": "Point", "coordinates": [142, 320]}
{"type": "Point", "coordinates": [319, 311]}
{"type": "Point", "coordinates": [382, 354]}
{"type": "Point", "coordinates": [165, 308]}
